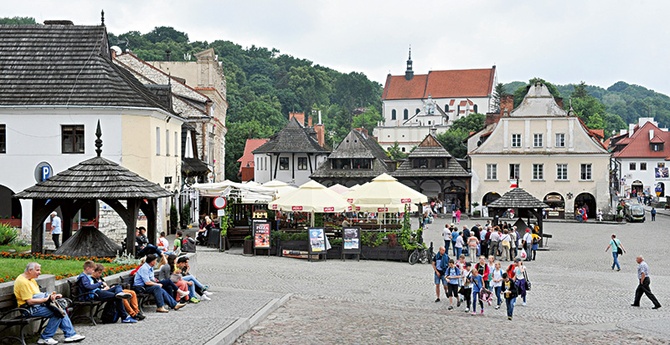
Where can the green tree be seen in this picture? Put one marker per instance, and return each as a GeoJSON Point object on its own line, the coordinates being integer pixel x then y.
{"type": "Point", "coordinates": [164, 33]}
{"type": "Point", "coordinates": [454, 138]}
{"type": "Point", "coordinates": [498, 94]}
{"type": "Point", "coordinates": [521, 92]}
{"type": "Point", "coordinates": [367, 119]}
{"type": "Point", "coordinates": [18, 21]}
{"type": "Point", "coordinates": [395, 153]}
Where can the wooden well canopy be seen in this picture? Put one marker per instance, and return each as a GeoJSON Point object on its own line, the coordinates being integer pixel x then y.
{"type": "Point", "coordinates": [524, 202]}
{"type": "Point", "coordinates": [94, 179]}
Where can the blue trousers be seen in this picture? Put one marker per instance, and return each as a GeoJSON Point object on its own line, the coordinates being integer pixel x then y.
{"type": "Point", "coordinates": [109, 296]}
{"type": "Point", "coordinates": [162, 297]}
{"type": "Point", "coordinates": [54, 322]}
{"type": "Point", "coordinates": [509, 303]}
{"type": "Point", "coordinates": [615, 255]}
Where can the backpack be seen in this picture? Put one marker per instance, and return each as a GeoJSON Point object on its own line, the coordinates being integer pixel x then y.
{"type": "Point", "coordinates": [188, 245]}
{"type": "Point", "coordinates": [109, 313]}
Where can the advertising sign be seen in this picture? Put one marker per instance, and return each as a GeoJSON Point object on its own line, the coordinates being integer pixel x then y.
{"type": "Point", "coordinates": [261, 235]}
{"type": "Point", "coordinates": [317, 240]}
{"type": "Point", "coordinates": [352, 240]}
{"type": "Point", "coordinates": [662, 172]}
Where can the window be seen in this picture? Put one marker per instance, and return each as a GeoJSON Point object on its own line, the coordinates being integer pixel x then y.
{"type": "Point", "coordinates": [73, 138]}
{"type": "Point", "coordinates": [537, 140]}
{"type": "Point", "coordinates": [446, 108]}
{"type": "Point", "coordinates": [3, 139]}
{"type": "Point", "coordinates": [393, 114]}
{"type": "Point", "coordinates": [158, 141]}
{"type": "Point", "coordinates": [167, 142]}
{"type": "Point", "coordinates": [475, 108]}
{"type": "Point", "coordinates": [560, 139]}
{"type": "Point", "coordinates": [561, 172]}
{"type": "Point", "coordinates": [513, 171]}
{"type": "Point", "coordinates": [405, 114]}
{"type": "Point", "coordinates": [302, 163]}
{"type": "Point", "coordinates": [538, 171]}
{"type": "Point", "coordinates": [643, 166]}
{"type": "Point", "coordinates": [491, 171]}
{"type": "Point", "coordinates": [660, 164]}
{"type": "Point", "coordinates": [283, 163]}
{"type": "Point", "coordinates": [585, 172]}
{"type": "Point", "coordinates": [631, 166]}
{"type": "Point", "coordinates": [361, 163]}
{"type": "Point", "coordinates": [176, 144]}
{"type": "Point", "coordinates": [656, 147]}
{"type": "Point", "coordinates": [420, 163]}
{"type": "Point", "coordinates": [516, 140]}
{"type": "Point", "coordinates": [417, 111]}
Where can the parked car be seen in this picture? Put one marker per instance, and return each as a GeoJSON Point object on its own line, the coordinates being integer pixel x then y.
{"type": "Point", "coordinates": [634, 213]}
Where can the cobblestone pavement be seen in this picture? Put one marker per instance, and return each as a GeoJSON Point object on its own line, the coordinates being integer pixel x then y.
{"type": "Point", "coordinates": [576, 297]}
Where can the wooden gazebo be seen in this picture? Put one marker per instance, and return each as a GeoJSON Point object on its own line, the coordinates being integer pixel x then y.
{"type": "Point", "coordinates": [94, 179]}
{"type": "Point", "coordinates": [524, 202]}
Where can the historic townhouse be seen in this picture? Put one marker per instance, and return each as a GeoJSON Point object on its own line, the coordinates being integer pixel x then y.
{"type": "Point", "coordinates": [547, 151]}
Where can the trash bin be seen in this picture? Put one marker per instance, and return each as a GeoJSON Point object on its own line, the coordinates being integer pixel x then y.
{"type": "Point", "coordinates": [214, 238]}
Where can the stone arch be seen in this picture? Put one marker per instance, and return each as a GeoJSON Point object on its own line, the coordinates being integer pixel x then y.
{"type": "Point", "coordinates": [556, 203]}
{"type": "Point", "coordinates": [489, 198]}
{"type": "Point", "coordinates": [586, 198]}
{"type": "Point", "coordinates": [10, 207]}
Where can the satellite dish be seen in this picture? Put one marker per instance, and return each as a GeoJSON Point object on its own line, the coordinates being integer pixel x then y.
{"type": "Point", "coordinates": [117, 50]}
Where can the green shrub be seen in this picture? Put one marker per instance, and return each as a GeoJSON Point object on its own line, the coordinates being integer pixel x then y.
{"type": "Point", "coordinates": [186, 215]}
{"type": "Point", "coordinates": [335, 241]}
{"type": "Point", "coordinates": [174, 219]}
{"type": "Point", "coordinates": [7, 234]}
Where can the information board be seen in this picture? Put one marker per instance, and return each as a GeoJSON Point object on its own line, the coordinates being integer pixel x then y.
{"type": "Point", "coordinates": [351, 241]}
{"type": "Point", "coordinates": [317, 242]}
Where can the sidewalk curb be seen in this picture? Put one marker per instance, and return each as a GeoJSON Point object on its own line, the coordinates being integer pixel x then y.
{"type": "Point", "coordinates": [242, 325]}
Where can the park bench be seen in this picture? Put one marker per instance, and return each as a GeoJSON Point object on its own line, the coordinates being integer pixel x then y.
{"type": "Point", "coordinates": [546, 238]}
{"type": "Point", "coordinates": [143, 297]}
{"type": "Point", "coordinates": [13, 316]}
{"type": "Point", "coordinates": [80, 301]}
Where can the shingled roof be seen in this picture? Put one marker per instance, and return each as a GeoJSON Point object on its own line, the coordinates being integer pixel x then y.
{"type": "Point", "coordinates": [294, 138]}
{"type": "Point", "coordinates": [430, 147]}
{"type": "Point", "coordinates": [517, 198]}
{"type": "Point", "coordinates": [355, 145]}
{"type": "Point", "coordinates": [95, 178]}
{"type": "Point", "coordinates": [64, 65]}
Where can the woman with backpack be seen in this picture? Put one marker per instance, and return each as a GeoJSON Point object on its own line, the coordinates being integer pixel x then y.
{"type": "Point", "coordinates": [617, 249]}
{"type": "Point", "coordinates": [510, 291]}
{"type": "Point", "coordinates": [520, 278]}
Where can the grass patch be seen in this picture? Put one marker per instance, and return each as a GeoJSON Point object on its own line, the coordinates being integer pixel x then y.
{"type": "Point", "coordinates": [10, 268]}
{"type": "Point", "coordinates": [15, 247]}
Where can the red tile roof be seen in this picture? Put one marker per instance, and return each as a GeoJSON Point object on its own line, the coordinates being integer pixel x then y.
{"type": "Point", "coordinates": [248, 157]}
{"type": "Point", "coordinates": [441, 84]}
{"type": "Point", "coordinates": [638, 144]}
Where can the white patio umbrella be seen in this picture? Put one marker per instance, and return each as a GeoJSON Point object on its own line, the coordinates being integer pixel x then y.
{"type": "Point", "coordinates": [339, 189]}
{"type": "Point", "coordinates": [311, 197]}
{"type": "Point", "coordinates": [282, 188]}
{"type": "Point", "coordinates": [385, 194]}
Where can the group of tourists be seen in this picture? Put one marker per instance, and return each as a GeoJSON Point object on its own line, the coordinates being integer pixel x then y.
{"type": "Point", "coordinates": [477, 284]}
{"type": "Point", "coordinates": [502, 242]}
{"type": "Point", "coordinates": [173, 287]}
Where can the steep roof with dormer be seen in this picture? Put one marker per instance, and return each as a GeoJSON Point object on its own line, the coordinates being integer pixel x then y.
{"type": "Point", "coordinates": [441, 84]}
{"type": "Point", "coordinates": [429, 148]}
{"type": "Point", "coordinates": [294, 138]}
{"type": "Point", "coordinates": [639, 145]}
{"type": "Point", "coordinates": [65, 65]}
{"type": "Point", "coordinates": [357, 144]}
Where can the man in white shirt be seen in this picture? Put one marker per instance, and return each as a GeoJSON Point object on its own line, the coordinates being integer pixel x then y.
{"type": "Point", "coordinates": [527, 243]}
{"type": "Point", "coordinates": [446, 235]}
{"type": "Point", "coordinates": [56, 229]}
{"type": "Point", "coordinates": [494, 240]}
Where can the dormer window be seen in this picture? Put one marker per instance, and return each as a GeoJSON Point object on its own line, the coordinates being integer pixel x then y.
{"type": "Point", "coordinates": [420, 163]}
{"type": "Point", "coordinates": [656, 147]}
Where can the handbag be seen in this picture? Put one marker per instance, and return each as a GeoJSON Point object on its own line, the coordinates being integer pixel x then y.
{"type": "Point", "coordinates": [58, 306]}
{"type": "Point", "coordinates": [528, 284]}
{"type": "Point", "coordinates": [618, 249]}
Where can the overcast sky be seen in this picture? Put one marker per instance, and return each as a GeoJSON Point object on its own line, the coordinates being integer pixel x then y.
{"type": "Point", "coordinates": [596, 41]}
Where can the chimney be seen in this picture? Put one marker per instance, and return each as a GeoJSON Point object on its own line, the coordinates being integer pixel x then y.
{"type": "Point", "coordinates": [309, 121]}
{"type": "Point", "coordinates": [631, 129]}
{"type": "Point", "coordinates": [506, 104]}
{"type": "Point", "coordinates": [433, 131]}
{"type": "Point", "coordinates": [651, 134]}
{"type": "Point", "coordinates": [300, 117]}
{"type": "Point", "coordinates": [362, 130]}
{"type": "Point", "coordinates": [58, 22]}
{"type": "Point", "coordinates": [320, 134]}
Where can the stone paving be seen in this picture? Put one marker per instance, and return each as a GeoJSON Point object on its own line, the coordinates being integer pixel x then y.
{"type": "Point", "coordinates": [575, 298]}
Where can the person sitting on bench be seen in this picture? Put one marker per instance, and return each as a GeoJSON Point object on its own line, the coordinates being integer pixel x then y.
{"type": "Point", "coordinates": [97, 291]}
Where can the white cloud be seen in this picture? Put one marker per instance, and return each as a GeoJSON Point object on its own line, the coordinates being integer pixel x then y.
{"type": "Point", "coordinates": [597, 41]}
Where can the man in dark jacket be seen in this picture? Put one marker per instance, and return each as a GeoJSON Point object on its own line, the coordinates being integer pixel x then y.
{"type": "Point", "coordinates": [510, 292]}
{"type": "Point", "coordinates": [95, 291]}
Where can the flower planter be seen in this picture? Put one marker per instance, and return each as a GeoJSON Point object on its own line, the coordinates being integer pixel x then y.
{"type": "Point", "coordinates": [16, 223]}
{"type": "Point", "coordinates": [248, 247]}
{"type": "Point", "coordinates": [384, 253]}
{"type": "Point", "coordinates": [334, 253]}
{"type": "Point", "coordinates": [294, 245]}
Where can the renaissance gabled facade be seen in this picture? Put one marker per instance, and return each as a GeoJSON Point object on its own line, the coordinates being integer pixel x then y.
{"type": "Point", "coordinates": [545, 150]}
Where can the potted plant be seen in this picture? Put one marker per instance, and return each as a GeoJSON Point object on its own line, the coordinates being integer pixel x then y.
{"type": "Point", "coordinates": [248, 245]}
{"type": "Point", "coordinates": [476, 212]}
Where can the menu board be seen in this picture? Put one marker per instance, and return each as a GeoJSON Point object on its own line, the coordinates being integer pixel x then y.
{"type": "Point", "coordinates": [261, 235]}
